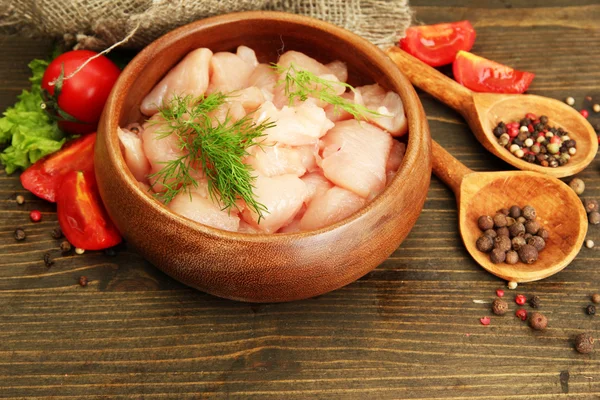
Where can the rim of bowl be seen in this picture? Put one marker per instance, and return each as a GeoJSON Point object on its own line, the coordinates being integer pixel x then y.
{"type": "Point", "coordinates": [128, 75]}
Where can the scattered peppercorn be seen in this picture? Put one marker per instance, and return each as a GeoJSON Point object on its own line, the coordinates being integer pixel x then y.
{"type": "Point", "coordinates": [79, 250]}
{"type": "Point", "coordinates": [589, 243]}
{"type": "Point", "coordinates": [596, 298]}
{"type": "Point", "coordinates": [485, 320]}
{"type": "Point", "coordinates": [512, 257]}
{"type": "Point", "coordinates": [528, 254]}
{"type": "Point", "coordinates": [83, 280]}
{"type": "Point", "coordinates": [57, 233]}
{"type": "Point", "coordinates": [485, 222]}
{"type": "Point", "coordinates": [35, 216]}
{"type": "Point", "coordinates": [594, 218]}
{"type": "Point", "coordinates": [596, 108]}
{"type": "Point", "coordinates": [570, 101]}
{"type": "Point", "coordinates": [499, 307]}
{"type": "Point", "coordinates": [584, 343]}
{"type": "Point", "coordinates": [538, 321]}
{"type": "Point", "coordinates": [529, 213]}
{"type": "Point", "coordinates": [591, 309]}
{"type": "Point", "coordinates": [65, 246]}
{"type": "Point", "coordinates": [577, 185]}
{"type": "Point", "coordinates": [512, 285]}
{"type": "Point", "coordinates": [534, 301]}
{"type": "Point", "coordinates": [521, 313]}
{"type": "Point", "coordinates": [20, 234]}
{"type": "Point", "coordinates": [47, 261]}
{"type": "Point", "coordinates": [585, 113]}
{"type": "Point", "coordinates": [498, 256]}
{"type": "Point", "coordinates": [520, 299]}
{"type": "Point", "coordinates": [499, 292]}
{"type": "Point", "coordinates": [485, 244]}
{"type": "Point", "coordinates": [20, 199]}
{"type": "Point", "coordinates": [590, 205]}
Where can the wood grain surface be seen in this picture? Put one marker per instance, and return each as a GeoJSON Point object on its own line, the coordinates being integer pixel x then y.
{"type": "Point", "coordinates": [407, 330]}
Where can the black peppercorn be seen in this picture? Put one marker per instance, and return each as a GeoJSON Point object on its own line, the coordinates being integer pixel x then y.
{"type": "Point", "coordinates": [65, 246]}
{"type": "Point", "coordinates": [543, 233]}
{"type": "Point", "coordinates": [512, 257]}
{"type": "Point", "coordinates": [485, 222]}
{"type": "Point", "coordinates": [544, 120]}
{"type": "Point", "coordinates": [584, 343]}
{"type": "Point", "coordinates": [497, 256]}
{"type": "Point", "coordinates": [528, 254]}
{"type": "Point", "coordinates": [83, 280]}
{"type": "Point", "coordinates": [538, 321]}
{"type": "Point", "coordinates": [591, 309]}
{"type": "Point", "coordinates": [499, 307]}
{"type": "Point", "coordinates": [484, 243]}
{"type": "Point", "coordinates": [57, 233]}
{"type": "Point", "coordinates": [590, 205]}
{"type": "Point", "coordinates": [534, 301]}
{"type": "Point", "coordinates": [532, 227]}
{"type": "Point", "coordinates": [47, 261]}
{"type": "Point", "coordinates": [515, 211]}
{"type": "Point", "coordinates": [499, 220]}
{"type": "Point", "coordinates": [502, 231]}
{"type": "Point", "coordinates": [529, 213]}
{"type": "Point", "coordinates": [518, 242]}
{"type": "Point", "coordinates": [517, 229]}
{"type": "Point", "coordinates": [503, 243]}
{"type": "Point", "coordinates": [491, 233]}
{"type": "Point", "coordinates": [537, 242]}
{"type": "Point", "coordinates": [20, 234]}
{"type": "Point", "coordinates": [594, 217]}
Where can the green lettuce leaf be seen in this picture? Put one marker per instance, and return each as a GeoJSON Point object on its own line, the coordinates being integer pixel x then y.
{"type": "Point", "coordinates": [27, 128]}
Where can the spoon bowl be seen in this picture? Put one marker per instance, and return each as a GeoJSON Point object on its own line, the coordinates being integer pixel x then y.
{"type": "Point", "coordinates": [559, 210]}
{"type": "Point", "coordinates": [483, 111]}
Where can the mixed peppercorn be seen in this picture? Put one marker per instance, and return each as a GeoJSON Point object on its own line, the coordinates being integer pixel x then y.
{"type": "Point", "coordinates": [511, 235]}
{"type": "Point", "coordinates": [536, 142]}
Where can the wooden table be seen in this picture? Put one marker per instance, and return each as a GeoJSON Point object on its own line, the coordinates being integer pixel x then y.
{"type": "Point", "coordinates": [409, 329]}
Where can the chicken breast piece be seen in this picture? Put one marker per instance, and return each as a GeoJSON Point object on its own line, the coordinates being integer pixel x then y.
{"type": "Point", "coordinates": [133, 152]}
{"type": "Point", "coordinates": [248, 55]}
{"type": "Point", "coordinates": [265, 78]}
{"type": "Point", "coordinates": [389, 105]}
{"type": "Point", "coordinates": [203, 210]}
{"type": "Point", "coordinates": [339, 69]}
{"type": "Point", "coordinates": [283, 197]}
{"type": "Point", "coordinates": [228, 72]}
{"type": "Point", "coordinates": [273, 160]}
{"type": "Point", "coordinates": [316, 185]}
{"type": "Point", "coordinates": [354, 157]}
{"type": "Point", "coordinates": [189, 77]}
{"type": "Point", "coordinates": [332, 206]}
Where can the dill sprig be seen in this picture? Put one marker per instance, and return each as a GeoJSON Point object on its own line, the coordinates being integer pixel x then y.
{"type": "Point", "coordinates": [301, 84]}
{"type": "Point", "coordinates": [217, 146]}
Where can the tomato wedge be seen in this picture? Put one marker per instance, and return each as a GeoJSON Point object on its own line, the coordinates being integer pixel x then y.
{"type": "Point", "coordinates": [482, 75]}
{"type": "Point", "coordinates": [45, 176]}
{"type": "Point", "coordinates": [438, 44]}
{"type": "Point", "coordinates": [81, 214]}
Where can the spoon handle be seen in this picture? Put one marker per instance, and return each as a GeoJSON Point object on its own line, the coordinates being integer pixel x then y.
{"type": "Point", "coordinates": [430, 80]}
{"type": "Point", "coordinates": [447, 168]}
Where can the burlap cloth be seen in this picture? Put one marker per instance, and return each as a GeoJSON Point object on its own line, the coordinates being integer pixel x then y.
{"type": "Point", "coordinates": [97, 24]}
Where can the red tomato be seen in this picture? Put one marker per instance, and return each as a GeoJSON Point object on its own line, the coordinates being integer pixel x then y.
{"type": "Point", "coordinates": [438, 44]}
{"type": "Point", "coordinates": [80, 98]}
{"type": "Point", "coordinates": [482, 75]}
{"type": "Point", "coordinates": [81, 214]}
{"type": "Point", "coordinates": [45, 176]}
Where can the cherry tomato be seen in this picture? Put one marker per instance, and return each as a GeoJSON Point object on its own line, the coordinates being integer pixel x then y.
{"type": "Point", "coordinates": [81, 214]}
{"type": "Point", "coordinates": [77, 102]}
{"type": "Point", "coordinates": [438, 44]}
{"type": "Point", "coordinates": [482, 75]}
{"type": "Point", "coordinates": [45, 176]}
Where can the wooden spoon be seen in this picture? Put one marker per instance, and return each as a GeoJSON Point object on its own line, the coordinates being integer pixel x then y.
{"type": "Point", "coordinates": [558, 208]}
{"type": "Point", "coordinates": [483, 111]}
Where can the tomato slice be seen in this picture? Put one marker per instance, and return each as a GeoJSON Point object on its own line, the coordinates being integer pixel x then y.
{"type": "Point", "coordinates": [81, 214]}
{"type": "Point", "coordinates": [438, 44]}
{"type": "Point", "coordinates": [482, 75]}
{"type": "Point", "coordinates": [45, 176]}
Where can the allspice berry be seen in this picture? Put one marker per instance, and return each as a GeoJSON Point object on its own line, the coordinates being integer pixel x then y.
{"type": "Point", "coordinates": [538, 321]}
{"type": "Point", "coordinates": [517, 229]}
{"type": "Point", "coordinates": [522, 219]}
{"type": "Point", "coordinates": [596, 298]}
{"type": "Point", "coordinates": [498, 256]}
{"type": "Point", "coordinates": [499, 307]}
{"type": "Point", "coordinates": [537, 242]}
{"type": "Point", "coordinates": [543, 233]}
{"type": "Point", "coordinates": [518, 242]}
{"type": "Point", "coordinates": [485, 222]}
{"type": "Point", "coordinates": [491, 233]}
{"type": "Point", "coordinates": [485, 243]}
{"type": "Point", "coordinates": [529, 213]}
{"type": "Point", "coordinates": [503, 211]}
{"type": "Point", "coordinates": [590, 205]}
{"type": "Point", "coordinates": [503, 243]}
{"type": "Point", "coordinates": [584, 343]}
{"type": "Point", "coordinates": [532, 227]}
{"type": "Point", "coordinates": [512, 257]}
{"type": "Point", "coordinates": [510, 221]}
{"type": "Point", "coordinates": [502, 231]}
{"type": "Point", "coordinates": [514, 211]}
{"type": "Point", "coordinates": [527, 236]}
{"type": "Point", "coordinates": [577, 185]}
{"type": "Point", "coordinates": [594, 218]}
{"type": "Point", "coordinates": [528, 254]}
{"type": "Point", "coordinates": [500, 220]}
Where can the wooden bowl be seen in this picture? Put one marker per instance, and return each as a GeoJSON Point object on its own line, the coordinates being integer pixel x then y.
{"type": "Point", "coordinates": [262, 268]}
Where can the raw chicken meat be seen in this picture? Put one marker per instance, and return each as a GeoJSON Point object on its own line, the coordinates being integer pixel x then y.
{"type": "Point", "coordinates": [339, 69]}
{"type": "Point", "coordinates": [272, 160]}
{"type": "Point", "coordinates": [228, 72]}
{"type": "Point", "coordinates": [248, 55]}
{"type": "Point", "coordinates": [265, 78]}
{"type": "Point", "coordinates": [189, 77]}
{"type": "Point", "coordinates": [332, 206]}
{"type": "Point", "coordinates": [389, 105]}
{"type": "Point", "coordinates": [204, 210]}
{"type": "Point", "coordinates": [283, 197]}
{"type": "Point", "coordinates": [316, 185]}
{"type": "Point", "coordinates": [131, 147]}
{"type": "Point", "coordinates": [354, 157]}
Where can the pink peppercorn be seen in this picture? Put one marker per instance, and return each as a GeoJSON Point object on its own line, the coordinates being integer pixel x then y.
{"type": "Point", "coordinates": [522, 314]}
{"type": "Point", "coordinates": [499, 292]}
{"type": "Point", "coordinates": [485, 320]}
{"type": "Point", "coordinates": [556, 139]}
{"type": "Point", "coordinates": [530, 128]}
{"type": "Point", "coordinates": [520, 299]}
{"type": "Point", "coordinates": [513, 132]}
{"type": "Point", "coordinates": [35, 216]}
{"type": "Point", "coordinates": [585, 113]}
{"type": "Point", "coordinates": [531, 116]}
